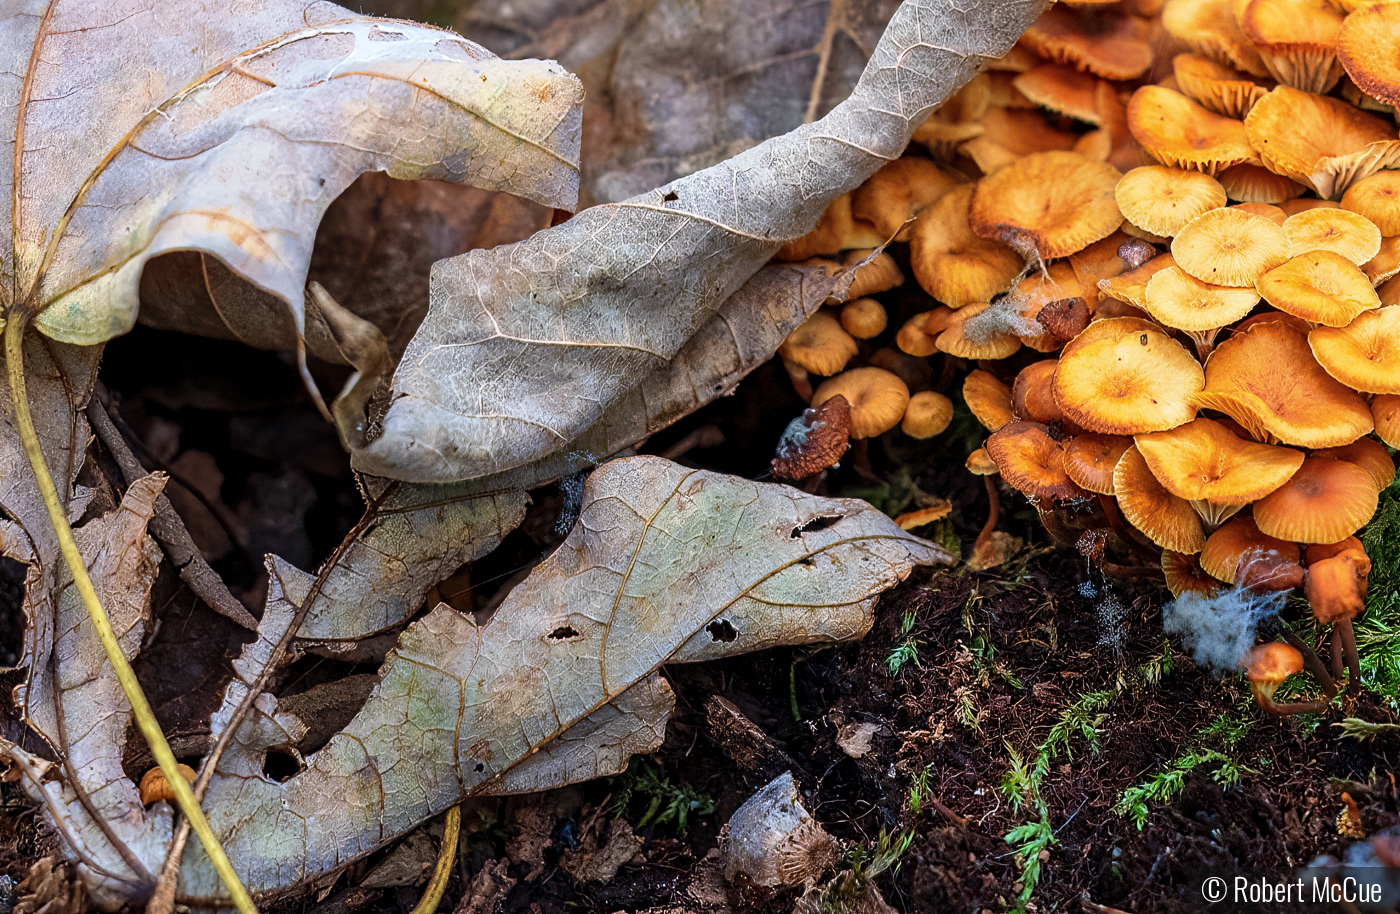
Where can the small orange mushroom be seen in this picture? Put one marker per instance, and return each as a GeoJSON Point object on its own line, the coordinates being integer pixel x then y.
{"type": "Point", "coordinates": [1131, 287]}
{"type": "Point", "coordinates": [837, 230]}
{"type": "Point", "coordinates": [1321, 287]}
{"type": "Point", "coordinates": [1182, 302]}
{"type": "Point", "coordinates": [819, 346]}
{"type": "Point", "coordinates": [1364, 46]}
{"type": "Point", "coordinates": [1385, 412]}
{"type": "Point", "coordinates": [927, 414]}
{"type": "Point", "coordinates": [956, 340]}
{"type": "Point", "coordinates": [863, 318]}
{"type": "Point", "coordinates": [1222, 89]}
{"type": "Point", "coordinates": [1367, 453]}
{"type": "Point", "coordinates": [1183, 574]}
{"type": "Point", "coordinates": [1124, 376]}
{"type": "Point", "coordinates": [1378, 199]}
{"type": "Point", "coordinates": [1090, 460]}
{"type": "Point", "coordinates": [951, 262]}
{"type": "Point", "coordinates": [877, 398]}
{"type": "Point", "coordinates": [1267, 666]}
{"type": "Point", "coordinates": [1177, 131]}
{"type": "Point", "coordinates": [879, 274]}
{"type": "Point", "coordinates": [1162, 200]}
{"type": "Point", "coordinates": [1211, 29]}
{"type": "Point", "coordinates": [1107, 44]}
{"type": "Point", "coordinates": [1365, 354]}
{"type": "Point", "coordinates": [1352, 235]}
{"type": "Point", "coordinates": [1032, 462]}
{"type": "Point", "coordinates": [1229, 247]}
{"type": "Point", "coordinates": [1324, 502]}
{"type": "Point", "coordinates": [154, 787]}
{"type": "Point", "coordinates": [1233, 540]}
{"type": "Point", "coordinates": [1049, 204]}
{"type": "Point", "coordinates": [1031, 394]}
{"type": "Point", "coordinates": [892, 196]}
{"type": "Point", "coordinates": [1319, 141]}
{"type": "Point", "coordinates": [1168, 520]}
{"type": "Point", "coordinates": [1296, 39]}
{"type": "Point", "coordinates": [988, 399]}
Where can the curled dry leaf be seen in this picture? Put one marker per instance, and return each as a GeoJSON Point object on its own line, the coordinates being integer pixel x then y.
{"type": "Point", "coordinates": [527, 345]}
{"type": "Point", "coordinates": [665, 565]}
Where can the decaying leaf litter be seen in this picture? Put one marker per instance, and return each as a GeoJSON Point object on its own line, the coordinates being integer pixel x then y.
{"type": "Point", "coordinates": [76, 270]}
{"type": "Point", "coordinates": [650, 418]}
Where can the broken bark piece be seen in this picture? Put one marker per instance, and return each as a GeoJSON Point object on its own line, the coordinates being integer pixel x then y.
{"type": "Point", "coordinates": [487, 890]}
{"type": "Point", "coordinates": [743, 741]}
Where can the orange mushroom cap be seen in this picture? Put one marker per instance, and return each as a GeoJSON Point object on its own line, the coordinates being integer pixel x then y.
{"type": "Point", "coordinates": [951, 262]}
{"type": "Point", "coordinates": [1049, 204]}
{"type": "Point", "coordinates": [1251, 183]}
{"type": "Point", "coordinates": [1168, 520]}
{"type": "Point", "coordinates": [1325, 502]}
{"type": "Point", "coordinates": [1266, 379]}
{"type": "Point", "coordinates": [1377, 197]}
{"type": "Point", "coordinates": [1204, 461]}
{"type": "Point", "coordinates": [1062, 89]}
{"type": "Point", "coordinates": [837, 230]}
{"type": "Point", "coordinates": [154, 787]}
{"type": "Point", "coordinates": [1335, 587]}
{"type": "Point", "coordinates": [1302, 205]}
{"type": "Point", "coordinates": [1221, 555]}
{"type": "Point", "coordinates": [1210, 28]}
{"type": "Point", "coordinates": [1104, 43]}
{"type": "Point", "coordinates": [880, 274]}
{"type": "Point", "coordinates": [893, 195]}
{"type": "Point", "coordinates": [1365, 354]}
{"type": "Point", "coordinates": [1131, 287]}
{"type": "Point", "coordinates": [1318, 141]}
{"type": "Point", "coordinates": [916, 338]}
{"type": "Point", "coordinates": [1007, 134]}
{"type": "Point", "coordinates": [1385, 264]}
{"type": "Point", "coordinates": [1176, 130]}
{"type": "Point", "coordinates": [1367, 453]}
{"type": "Point", "coordinates": [863, 318]}
{"type": "Point", "coordinates": [1221, 89]}
{"type": "Point", "coordinates": [1032, 462]}
{"type": "Point", "coordinates": [1352, 235]}
{"type": "Point", "coordinates": [980, 463]}
{"type": "Point", "coordinates": [988, 399]}
{"type": "Point", "coordinates": [956, 341]}
{"type": "Point", "coordinates": [1229, 247]}
{"type": "Point", "coordinates": [1031, 394]}
{"type": "Point", "coordinates": [1090, 460]}
{"type": "Point", "coordinates": [819, 345]}
{"type": "Point", "coordinates": [927, 414]}
{"type": "Point", "coordinates": [1274, 214]}
{"type": "Point", "coordinates": [1320, 287]}
{"type": "Point", "coordinates": [1269, 664]}
{"type": "Point", "coordinates": [1182, 302]}
{"type": "Point", "coordinates": [1365, 47]}
{"type": "Point", "coordinates": [1104, 259]}
{"type": "Point", "coordinates": [1297, 40]}
{"type": "Point", "coordinates": [1162, 200]}
{"type": "Point", "coordinates": [1385, 410]}
{"type": "Point", "coordinates": [877, 398]}
{"type": "Point", "coordinates": [1124, 376]}
{"type": "Point", "coordinates": [1183, 573]}
{"type": "Point", "coordinates": [913, 520]}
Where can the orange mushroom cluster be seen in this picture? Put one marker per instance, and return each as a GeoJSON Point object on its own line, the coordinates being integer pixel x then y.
{"type": "Point", "coordinates": [1161, 242]}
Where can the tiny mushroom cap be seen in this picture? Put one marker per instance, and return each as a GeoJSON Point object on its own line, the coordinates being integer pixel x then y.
{"type": "Point", "coordinates": [1316, 552]}
{"type": "Point", "coordinates": [955, 340]}
{"type": "Point", "coordinates": [1224, 90]}
{"type": "Point", "coordinates": [1182, 302]}
{"type": "Point", "coordinates": [927, 414]}
{"type": "Point", "coordinates": [1211, 29]}
{"type": "Point", "coordinates": [1031, 461]}
{"type": "Point", "coordinates": [1224, 548]}
{"type": "Point", "coordinates": [877, 397]}
{"type": "Point", "coordinates": [1090, 460]}
{"type": "Point", "coordinates": [1229, 247]}
{"type": "Point", "coordinates": [819, 345]}
{"type": "Point", "coordinates": [1335, 587]}
{"type": "Point", "coordinates": [1124, 376]}
{"type": "Point", "coordinates": [154, 787]}
{"type": "Point", "coordinates": [1256, 184]}
{"type": "Point", "coordinates": [1177, 131]}
{"type": "Point", "coordinates": [1384, 265]}
{"type": "Point", "coordinates": [918, 334]}
{"type": "Point", "coordinates": [1169, 521]}
{"type": "Point", "coordinates": [1131, 287]}
{"type": "Point", "coordinates": [1365, 47]}
{"type": "Point", "coordinates": [1269, 664]}
{"type": "Point", "coordinates": [863, 318]}
{"type": "Point", "coordinates": [879, 275]}
{"type": "Point", "coordinates": [1378, 199]}
{"type": "Point", "coordinates": [980, 463]}
{"type": "Point", "coordinates": [1325, 502]}
{"type": "Point", "coordinates": [1365, 354]}
{"type": "Point", "coordinates": [1321, 287]}
{"type": "Point", "coordinates": [988, 399]}
{"type": "Point", "coordinates": [893, 195]}
{"type": "Point", "coordinates": [1353, 236]}
{"type": "Point", "coordinates": [1385, 409]}
{"type": "Point", "coordinates": [1274, 214]}
{"type": "Point", "coordinates": [1204, 461]}
{"type": "Point", "coordinates": [1302, 205]}
{"type": "Point", "coordinates": [1107, 44]}
{"type": "Point", "coordinates": [1184, 573]}
{"type": "Point", "coordinates": [1297, 40]}
{"type": "Point", "coordinates": [913, 520]}
{"type": "Point", "coordinates": [1162, 200]}
{"type": "Point", "coordinates": [1031, 394]}
{"type": "Point", "coordinates": [951, 262]}
{"type": "Point", "coordinates": [1367, 453]}
{"type": "Point", "coordinates": [1049, 204]}
{"type": "Point", "coordinates": [1315, 140]}
{"type": "Point", "coordinates": [1266, 379]}
{"type": "Point", "coordinates": [1007, 135]}
{"type": "Point", "coordinates": [1062, 89]}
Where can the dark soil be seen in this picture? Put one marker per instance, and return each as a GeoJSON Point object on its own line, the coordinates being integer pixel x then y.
{"type": "Point", "coordinates": [1000, 657]}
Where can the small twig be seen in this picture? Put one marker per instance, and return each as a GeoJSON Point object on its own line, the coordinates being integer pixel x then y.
{"type": "Point", "coordinates": [432, 896]}
{"type": "Point", "coordinates": [166, 526]}
{"type": "Point", "coordinates": [951, 816]}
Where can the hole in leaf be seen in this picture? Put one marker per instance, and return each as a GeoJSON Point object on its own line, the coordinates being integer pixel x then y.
{"type": "Point", "coordinates": [722, 630]}
{"type": "Point", "coordinates": [820, 522]}
{"type": "Point", "coordinates": [11, 611]}
{"type": "Point", "coordinates": [564, 633]}
{"type": "Point", "coordinates": [670, 197]}
{"type": "Point", "coordinates": [280, 765]}
{"type": "Point", "coordinates": [808, 561]}
{"type": "Point", "coordinates": [480, 766]}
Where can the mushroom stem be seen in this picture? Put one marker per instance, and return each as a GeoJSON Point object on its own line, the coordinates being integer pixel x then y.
{"type": "Point", "coordinates": [1348, 635]}
{"type": "Point", "coordinates": [993, 510]}
{"type": "Point", "coordinates": [1336, 650]}
{"type": "Point", "coordinates": [1053, 525]}
{"type": "Point", "coordinates": [860, 459]}
{"type": "Point", "coordinates": [801, 381]}
{"type": "Point", "coordinates": [1313, 663]}
{"type": "Point", "coordinates": [1109, 506]}
{"type": "Point", "coordinates": [1205, 342]}
{"type": "Point", "coordinates": [1267, 702]}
